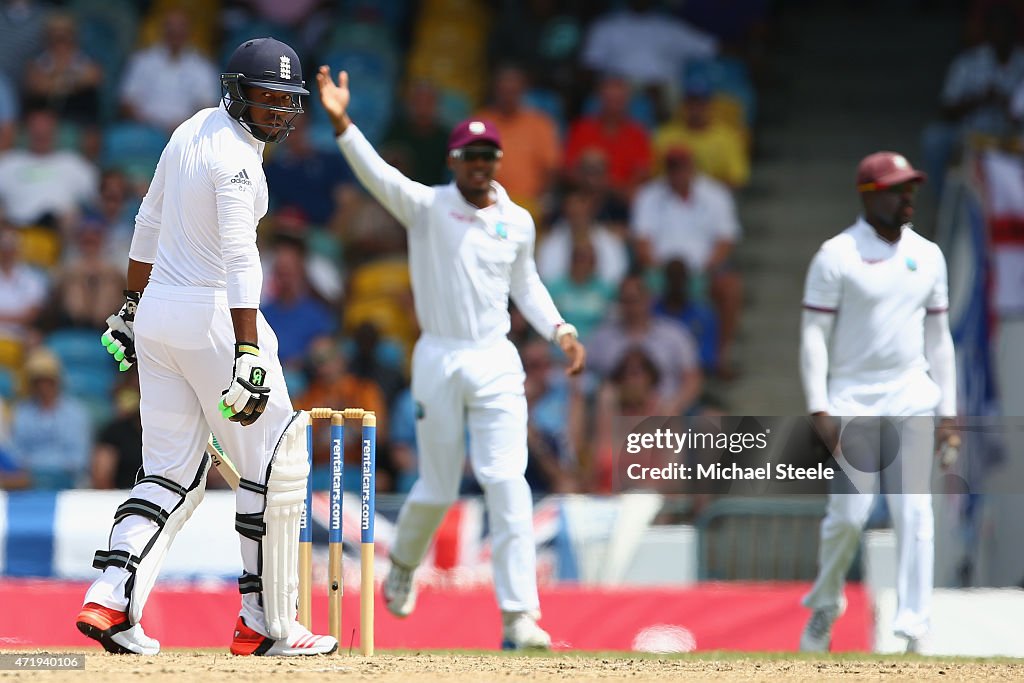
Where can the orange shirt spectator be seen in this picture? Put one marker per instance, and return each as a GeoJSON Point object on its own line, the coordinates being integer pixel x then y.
{"type": "Point", "coordinates": [530, 171]}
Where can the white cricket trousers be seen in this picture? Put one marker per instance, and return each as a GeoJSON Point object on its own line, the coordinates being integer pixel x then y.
{"type": "Point", "coordinates": [185, 344]}
{"type": "Point", "coordinates": [459, 384]}
{"type": "Point", "coordinates": [912, 518]}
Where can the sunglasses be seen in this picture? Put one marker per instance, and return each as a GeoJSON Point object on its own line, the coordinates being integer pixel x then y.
{"type": "Point", "coordinates": [476, 153]}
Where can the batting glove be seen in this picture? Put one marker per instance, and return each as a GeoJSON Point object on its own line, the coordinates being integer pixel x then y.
{"type": "Point", "coordinates": [246, 397]}
{"type": "Point", "coordinates": [119, 339]}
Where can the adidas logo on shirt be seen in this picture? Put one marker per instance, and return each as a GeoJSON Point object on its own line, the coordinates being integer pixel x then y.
{"type": "Point", "coordinates": [242, 178]}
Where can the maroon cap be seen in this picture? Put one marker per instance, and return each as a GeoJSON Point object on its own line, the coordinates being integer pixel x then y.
{"type": "Point", "coordinates": [881, 170]}
{"type": "Point", "coordinates": [471, 131]}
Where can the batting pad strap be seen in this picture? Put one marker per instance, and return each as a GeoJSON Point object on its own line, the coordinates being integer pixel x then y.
{"type": "Point", "coordinates": [253, 486]}
{"type": "Point", "coordinates": [250, 583]}
{"type": "Point", "coordinates": [251, 525]}
{"type": "Point", "coordinates": [116, 558]}
{"type": "Point", "coordinates": [172, 486]}
{"type": "Point", "coordinates": [142, 508]}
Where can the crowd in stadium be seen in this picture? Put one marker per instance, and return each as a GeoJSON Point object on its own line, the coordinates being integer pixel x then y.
{"type": "Point", "coordinates": [628, 152]}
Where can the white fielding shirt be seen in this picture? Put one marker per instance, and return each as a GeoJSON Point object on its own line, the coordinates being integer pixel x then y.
{"type": "Point", "coordinates": [464, 262]}
{"type": "Point", "coordinates": [197, 222]}
{"type": "Point", "coordinates": [880, 293]}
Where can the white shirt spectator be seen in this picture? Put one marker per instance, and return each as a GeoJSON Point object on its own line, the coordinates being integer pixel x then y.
{"type": "Point", "coordinates": [164, 90]}
{"type": "Point", "coordinates": [669, 344]}
{"type": "Point", "coordinates": [687, 229]}
{"type": "Point", "coordinates": [645, 47]}
{"type": "Point", "coordinates": [555, 252]}
{"type": "Point", "coordinates": [976, 71]}
{"type": "Point", "coordinates": [33, 185]}
{"type": "Point", "coordinates": [22, 289]}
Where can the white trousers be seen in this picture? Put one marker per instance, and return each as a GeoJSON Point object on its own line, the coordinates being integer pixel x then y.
{"type": "Point", "coordinates": [479, 386]}
{"type": "Point", "coordinates": [185, 340]}
{"type": "Point", "coordinates": [850, 504]}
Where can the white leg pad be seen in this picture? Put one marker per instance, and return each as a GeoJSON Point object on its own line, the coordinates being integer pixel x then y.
{"type": "Point", "coordinates": [286, 493]}
{"type": "Point", "coordinates": [139, 543]}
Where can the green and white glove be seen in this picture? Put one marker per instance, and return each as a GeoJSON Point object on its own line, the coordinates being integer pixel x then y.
{"type": "Point", "coordinates": [246, 397]}
{"type": "Point", "coordinates": [119, 339]}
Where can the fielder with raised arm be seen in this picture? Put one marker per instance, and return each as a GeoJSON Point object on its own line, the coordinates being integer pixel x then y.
{"type": "Point", "coordinates": [875, 341]}
{"type": "Point", "coordinates": [470, 249]}
{"type": "Point", "coordinates": [194, 331]}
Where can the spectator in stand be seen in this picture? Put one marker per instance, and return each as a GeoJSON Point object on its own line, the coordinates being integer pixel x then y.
{"type": "Point", "coordinates": [689, 216]}
{"type": "Point", "coordinates": [289, 224]}
{"type": "Point", "coordinates": [977, 93]}
{"type": "Point", "coordinates": [115, 210]}
{"type": "Point", "coordinates": [417, 137]}
{"type": "Point", "coordinates": [30, 177]}
{"type": "Point", "coordinates": [646, 46]}
{"type": "Point", "coordinates": [581, 295]}
{"type": "Point", "coordinates": [625, 143]}
{"type": "Point", "coordinates": [50, 431]}
{"type": "Point", "coordinates": [293, 311]}
{"type": "Point", "coordinates": [331, 384]}
{"type": "Point", "coordinates": [630, 390]}
{"type": "Point", "coordinates": [590, 175]}
{"type": "Point", "coordinates": [670, 346]}
{"type": "Point", "coordinates": [529, 174]}
{"type": "Point", "coordinates": [22, 28]}
{"type": "Point", "coordinates": [545, 37]}
{"type": "Point", "coordinates": [550, 465]}
{"type": "Point", "coordinates": [677, 303]}
{"type": "Point", "coordinates": [12, 476]}
{"type": "Point", "coordinates": [117, 455]}
{"type": "Point", "coordinates": [89, 285]}
{"type": "Point", "coordinates": [299, 174]}
{"type": "Point", "coordinates": [62, 77]}
{"type": "Point", "coordinates": [365, 361]}
{"type": "Point", "coordinates": [579, 225]}
{"type": "Point", "coordinates": [719, 149]}
{"type": "Point", "coordinates": [22, 291]}
{"type": "Point", "coordinates": [170, 81]}
{"type": "Point", "coordinates": [8, 112]}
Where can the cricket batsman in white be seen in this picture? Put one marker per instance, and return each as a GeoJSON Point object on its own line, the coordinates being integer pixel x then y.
{"type": "Point", "coordinates": [875, 341]}
{"type": "Point", "coordinates": [470, 249]}
{"type": "Point", "coordinates": [207, 361]}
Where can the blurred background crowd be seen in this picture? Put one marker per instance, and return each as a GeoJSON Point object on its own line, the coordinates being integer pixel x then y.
{"type": "Point", "coordinates": [631, 129]}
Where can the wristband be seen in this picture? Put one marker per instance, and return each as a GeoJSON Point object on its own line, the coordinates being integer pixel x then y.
{"type": "Point", "coordinates": [246, 347]}
{"type": "Point", "coordinates": [563, 329]}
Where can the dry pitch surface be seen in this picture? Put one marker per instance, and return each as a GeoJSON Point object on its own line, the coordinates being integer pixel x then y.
{"type": "Point", "coordinates": [466, 667]}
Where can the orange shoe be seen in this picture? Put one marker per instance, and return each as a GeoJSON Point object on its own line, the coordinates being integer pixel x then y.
{"type": "Point", "coordinates": [111, 629]}
{"type": "Point", "coordinates": [299, 642]}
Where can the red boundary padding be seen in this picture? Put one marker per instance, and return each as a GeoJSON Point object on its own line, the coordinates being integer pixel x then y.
{"type": "Point", "coordinates": [717, 616]}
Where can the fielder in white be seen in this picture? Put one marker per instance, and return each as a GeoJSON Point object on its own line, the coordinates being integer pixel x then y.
{"type": "Point", "coordinates": [191, 321]}
{"type": "Point", "coordinates": [470, 249]}
{"type": "Point", "coordinates": [875, 341]}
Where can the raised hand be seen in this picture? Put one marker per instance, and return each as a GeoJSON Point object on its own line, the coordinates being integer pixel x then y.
{"type": "Point", "coordinates": [335, 97]}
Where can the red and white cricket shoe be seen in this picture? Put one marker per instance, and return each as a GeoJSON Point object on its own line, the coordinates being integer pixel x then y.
{"type": "Point", "coordinates": [111, 629]}
{"type": "Point", "coordinates": [299, 642]}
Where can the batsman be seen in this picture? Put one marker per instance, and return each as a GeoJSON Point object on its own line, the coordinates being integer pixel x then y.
{"type": "Point", "coordinates": [470, 250]}
{"type": "Point", "coordinates": [207, 361]}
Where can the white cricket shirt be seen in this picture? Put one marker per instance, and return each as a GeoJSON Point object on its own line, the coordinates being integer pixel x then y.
{"type": "Point", "coordinates": [197, 222]}
{"type": "Point", "coordinates": [880, 293]}
{"type": "Point", "coordinates": [464, 262]}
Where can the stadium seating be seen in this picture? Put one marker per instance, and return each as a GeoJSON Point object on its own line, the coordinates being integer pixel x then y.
{"type": "Point", "coordinates": [133, 147]}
